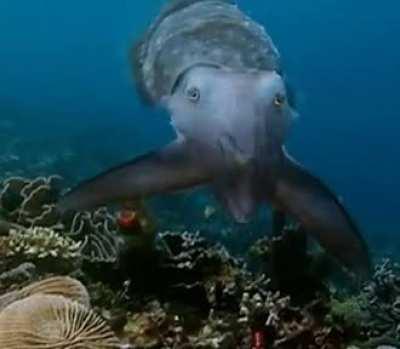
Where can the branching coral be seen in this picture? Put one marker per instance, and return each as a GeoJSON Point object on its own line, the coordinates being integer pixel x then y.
{"type": "Point", "coordinates": [193, 266]}
{"type": "Point", "coordinates": [286, 326]}
{"type": "Point", "coordinates": [188, 251]}
{"type": "Point", "coordinates": [48, 250]}
{"type": "Point", "coordinates": [40, 243]}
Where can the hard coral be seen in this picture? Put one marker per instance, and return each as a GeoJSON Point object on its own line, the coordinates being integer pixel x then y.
{"type": "Point", "coordinates": [53, 322]}
{"type": "Point", "coordinates": [61, 286]}
{"type": "Point", "coordinates": [50, 251]}
{"type": "Point", "coordinates": [39, 243]}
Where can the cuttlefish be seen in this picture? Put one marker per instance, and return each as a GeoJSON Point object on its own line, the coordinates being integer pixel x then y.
{"type": "Point", "coordinates": [218, 74]}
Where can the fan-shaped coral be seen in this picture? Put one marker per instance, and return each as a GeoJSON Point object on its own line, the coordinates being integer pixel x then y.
{"type": "Point", "coordinates": [97, 231]}
{"type": "Point", "coordinates": [61, 286]}
{"type": "Point", "coordinates": [31, 202]}
{"type": "Point", "coordinates": [46, 321]}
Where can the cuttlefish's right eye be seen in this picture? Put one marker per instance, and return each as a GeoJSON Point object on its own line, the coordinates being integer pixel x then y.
{"type": "Point", "coordinates": [193, 94]}
{"type": "Point", "coordinates": [279, 100]}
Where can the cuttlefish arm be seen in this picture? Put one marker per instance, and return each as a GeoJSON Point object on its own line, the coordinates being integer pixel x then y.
{"type": "Point", "coordinates": [178, 166]}
{"type": "Point", "coordinates": [305, 198]}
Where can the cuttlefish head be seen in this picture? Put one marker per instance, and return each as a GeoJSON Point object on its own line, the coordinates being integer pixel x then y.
{"type": "Point", "coordinates": [230, 126]}
{"type": "Point", "coordinates": [242, 116]}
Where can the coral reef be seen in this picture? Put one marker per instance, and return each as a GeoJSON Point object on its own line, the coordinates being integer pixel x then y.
{"type": "Point", "coordinates": [172, 289]}
{"type": "Point", "coordinates": [287, 261]}
{"type": "Point", "coordinates": [158, 326]}
{"type": "Point", "coordinates": [205, 277]}
{"type": "Point", "coordinates": [192, 266]}
{"type": "Point", "coordinates": [371, 317]}
{"type": "Point", "coordinates": [53, 322]}
{"type": "Point", "coordinates": [382, 306]}
{"type": "Point", "coordinates": [287, 326]}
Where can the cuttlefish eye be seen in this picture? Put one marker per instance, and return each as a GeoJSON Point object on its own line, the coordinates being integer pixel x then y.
{"type": "Point", "coordinates": [279, 100]}
{"type": "Point", "coordinates": [193, 94]}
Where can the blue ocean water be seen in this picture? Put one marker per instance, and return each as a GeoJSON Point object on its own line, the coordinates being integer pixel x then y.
{"type": "Point", "coordinates": [68, 103]}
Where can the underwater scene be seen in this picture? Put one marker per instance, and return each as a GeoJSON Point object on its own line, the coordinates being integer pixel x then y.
{"type": "Point", "coordinates": [199, 174]}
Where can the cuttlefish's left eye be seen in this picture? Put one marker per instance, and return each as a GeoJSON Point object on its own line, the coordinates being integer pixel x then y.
{"type": "Point", "coordinates": [279, 100]}
{"type": "Point", "coordinates": [193, 94]}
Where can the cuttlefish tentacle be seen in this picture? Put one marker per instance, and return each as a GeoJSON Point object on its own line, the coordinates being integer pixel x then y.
{"type": "Point", "coordinates": [175, 167]}
{"type": "Point", "coordinates": [310, 202]}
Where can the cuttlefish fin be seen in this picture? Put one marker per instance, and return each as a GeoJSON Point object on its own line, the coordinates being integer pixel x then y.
{"type": "Point", "coordinates": [176, 167]}
{"type": "Point", "coordinates": [306, 199]}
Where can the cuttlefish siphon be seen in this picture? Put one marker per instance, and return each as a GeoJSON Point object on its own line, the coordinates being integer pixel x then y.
{"type": "Point", "coordinates": [218, 74]}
